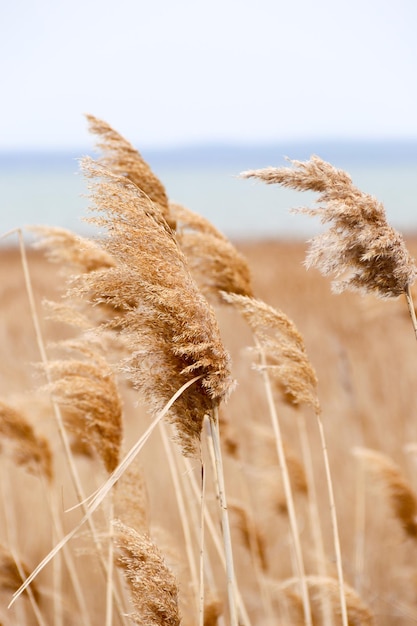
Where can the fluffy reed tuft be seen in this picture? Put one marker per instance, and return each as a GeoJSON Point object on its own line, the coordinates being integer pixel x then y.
{"type": "Point", "coordinates": [131, 500]}
{"type": "Point", "coordinates": [12, 575]}
{"type": "Point", "coordinates": [30, 450]}
{"type": "Point", "coordinates": [169, 326]}
{"type": "Point", "coordinates": [123, 159]}
{"type": "Point", "coordinates": [360, 246]}
{"type": "Point", "coordinates": [63, 246]}
{"type": "Point", "coordinates": [402, 499]}
{"type": "Point", "coordinates": [153, 587]}
{"type": "Point", "coordinates": [358, 613]}
{"type": "Point", "coordinates": [213, 259]}
{"type": "Point", "coordinates": [251, 536]}
{"type": "Point", "coordinates": [88, 391]}
{"type": "Point", "coordinates": [283, 346]}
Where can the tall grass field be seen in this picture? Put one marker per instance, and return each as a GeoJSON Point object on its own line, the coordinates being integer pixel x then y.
{"type": "Point", "coordinates": [203, 432]}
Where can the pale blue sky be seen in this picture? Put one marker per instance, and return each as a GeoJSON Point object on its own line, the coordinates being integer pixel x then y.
{"type": "Point", "coordinates": [167, 72]}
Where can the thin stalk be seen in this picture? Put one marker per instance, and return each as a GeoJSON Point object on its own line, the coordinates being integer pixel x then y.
{"type": "Point", "coordinates": [243, 614]}
{"type": "Point", "coordinates": [411, 308]}
{"type": "Point", "coordinates": [314, 514]}
{"type": "Point", "coordinates": [11, 535]}
{"type": "Point", "coordinates": [287, 490]}
{"type": "Point", "coordinates": [110, 560]}
{"type": "Point", "coordinates": [58, 417]}
{"type": "Point", "coordinates": [360, 525]}
{"type": "Point", "coordinates": [227, 540]}
{"type": "Point", "coordinates": [202, 546]}
{"type": "Point", "coordinates": [106, 487]}
{"type": "Point", "coordinates": [181, 506]}
{"type": "Point", "coordinates": [333, 516]}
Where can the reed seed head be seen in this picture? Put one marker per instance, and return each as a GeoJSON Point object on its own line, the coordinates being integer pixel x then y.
{"type": "Point", "coordinates": [360, 248]}
{"type": "Point", "coordinates": [123, 159]}
{"type": "Point", "coordinates": [214, 261]}
{"type": "Point", "coordinates": [283, 347]}
{"type": "Point", "coordinates": [152, 585]}
{"type": "Point", "coordinates": [29, 449]}
{"type": "Point", "coordinates": [168, 325]}
{"type": "Point", "coordinates": [402, 499]}
{"type": "Point", "coordinates": [88, 391]}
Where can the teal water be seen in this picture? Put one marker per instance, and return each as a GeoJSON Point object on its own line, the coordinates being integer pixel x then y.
{"type": "Point", "coordinates": [49, 189]}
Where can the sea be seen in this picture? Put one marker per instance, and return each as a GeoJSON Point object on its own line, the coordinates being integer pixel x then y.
{"type": "Point", "coordinates": [48, 188]}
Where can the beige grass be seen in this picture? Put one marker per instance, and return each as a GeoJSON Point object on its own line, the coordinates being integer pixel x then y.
{"type": "Point", "coordinates": [139, 281]}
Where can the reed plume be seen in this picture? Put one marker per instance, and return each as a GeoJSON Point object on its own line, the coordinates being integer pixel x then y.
{"type": "Point", "coordinates": [251, 536]}
{"type": "Point", "coordinates": [286, 358]}
{"type": "Point", "coordinates": [12, 575]}
{"type": "Point", "coordinates": [65, 247]}
{"type": "Point", "coordinates": [123, 159]}
{"type": "Point", "coordinates": [360, 246]}
{"type": "Point", "coordinates": [88, 391]}
{"type": "Point", "coordinates": [168, 325]}
{"type": "Point", "coordinates": [401, 497]}
{"type": "Point", "coordinates": [30, 450]}
{"type": "Point", "coordinates": [359, 613]}
{"type": "Point", "coordinates": [152, 585]}
{"type": "Point", "coordinates": [213, 259]}
{"type": "Point", "coordinates": [131, 499]}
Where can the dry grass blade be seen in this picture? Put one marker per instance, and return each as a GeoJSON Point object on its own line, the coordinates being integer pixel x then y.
{"type": "Point", "coordinates": [213, 259]}
{"type": "Point", "coordinates": [30, 450]}
{"type": "Point", "coordinates": [283, 346]}
{"type": "Point", "coordinates": [122, 158]}
{"type": "Point", "coordinates": [360, 246]}
{"type": "Point", "coordinates": [153, 587]}
{"type": "Point", "coordinates": [168, 325]}
{"type": "Point", "coordinates": [402, 499]}
{"type": "Point", "coordinates": [88, 391]}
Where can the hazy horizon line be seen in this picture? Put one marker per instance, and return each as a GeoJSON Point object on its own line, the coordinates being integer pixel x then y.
{"type": "Point", "coordinates": [210, 153]}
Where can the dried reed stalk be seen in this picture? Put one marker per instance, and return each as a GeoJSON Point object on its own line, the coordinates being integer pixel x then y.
{"type": "Point", "coordinates": [63, 435]}
{"type": "Point", "coordinates": [153, 588]}
{"type": "Point", "coordinates": [168, 325]}
{"type": "Point", "coordinates": [296, 376]}
{"type": "Point", "coordinates": [123, 159]}
{"type": "Point", "coordinates": [401, 497]}
{"type": "Point", "coordinates": [360, 244]}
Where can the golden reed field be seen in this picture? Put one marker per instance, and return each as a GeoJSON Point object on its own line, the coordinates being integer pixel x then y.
{"type": "Point", "coordinates": [279, 488]}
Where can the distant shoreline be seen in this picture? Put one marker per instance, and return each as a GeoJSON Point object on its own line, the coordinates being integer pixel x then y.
{"type": "Point", "coordinates": [339, 152]}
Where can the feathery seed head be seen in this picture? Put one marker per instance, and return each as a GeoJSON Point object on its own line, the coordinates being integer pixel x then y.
{"type": "Point", "coordinates": [213, 259]}
{"type": "Point", "coordinates": [63, 246]}
{"type": "Point", "coordinates": [30, 450]}
{"type": "Point", "coordinates": [170, 328]}
{"type": "Point", "coordinates": [402, 498]}
{"type": "Point", "coordinates": [124, 160]}
{"type": "Point", "coordinates": [360, 248]}
{"type": "Point", "coordinates": [283, 347]}
{"type": "Point", "coordinates": [153, 587]}
{"type": "Point", "coordinates": [89, 393]}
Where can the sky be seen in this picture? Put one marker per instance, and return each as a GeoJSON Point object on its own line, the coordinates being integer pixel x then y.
{"type": "Point", "coordinates": [168, 73]}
